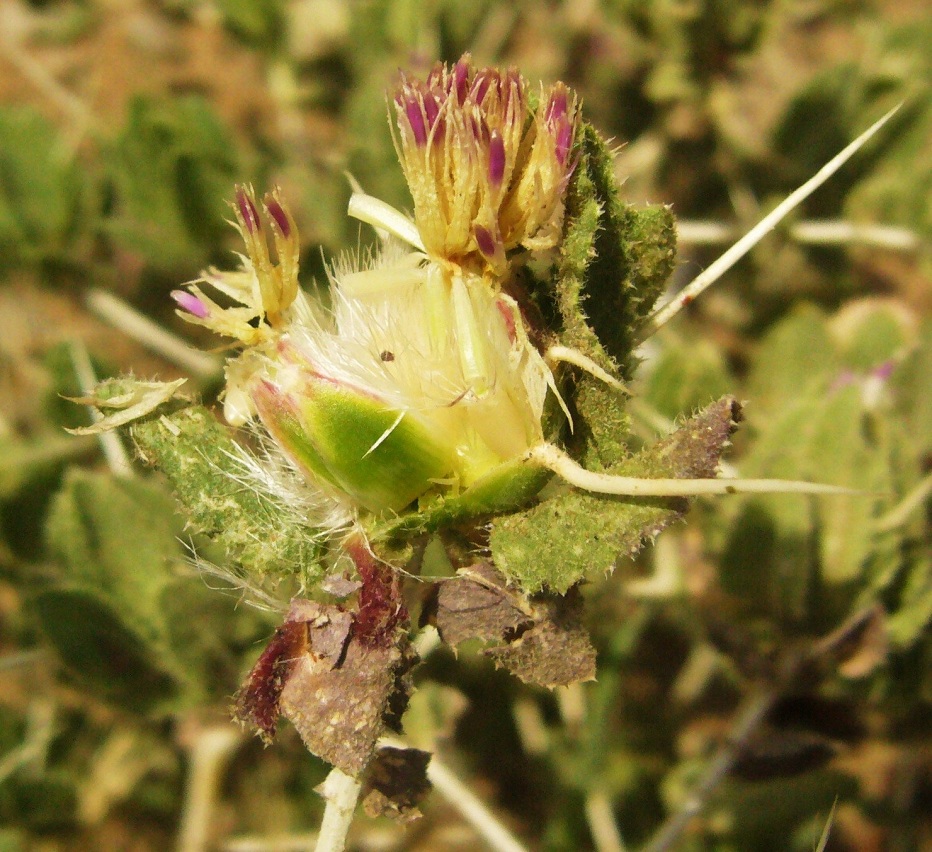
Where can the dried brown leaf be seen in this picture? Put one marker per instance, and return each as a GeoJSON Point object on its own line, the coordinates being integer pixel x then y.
{"type": "Point", "coordinates": [477, 604]}
{"type": "Point", "coordinates": [396, 783]}
{"type": "Point", "coordinates": [341, 712]}
{"type": "Point", "coordinates": [556, 650]}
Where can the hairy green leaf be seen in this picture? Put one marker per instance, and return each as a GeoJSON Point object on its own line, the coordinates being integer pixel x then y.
{"type": "Point", "coordinates": [558, 542]}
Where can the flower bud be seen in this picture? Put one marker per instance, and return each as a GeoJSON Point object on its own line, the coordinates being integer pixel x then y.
{"type": "Point", "coordinates": [348, 440]}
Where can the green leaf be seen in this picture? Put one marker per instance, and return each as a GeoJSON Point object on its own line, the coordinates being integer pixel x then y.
{"type": "Point", "coordinates": [686, 376]}
{"type": "Point", "coordinates": [796, 354]}
{"type": "Point", "coordinates": [118, 536]}
{"type": "Point", "coordinates": [25, 462]}
{"type": "Point", "coordinates": [555, 544]}
{"type": "Point", "coordinates": [106, 647]}
{"type": "Point", "coordinates": [614, 260]}
{"type": "Point", "coordinates": [910, 384]}
{"type": "Point", "coordinates": [820, 438]}
{"type": "Point", "coordinates": [41, 190]}
{"type": "Point", "coordinates": [265, 536]}
{"type": "Point", "coordinates": [503, 489]}
{"type": "Point", "coordinates": [173, 165]}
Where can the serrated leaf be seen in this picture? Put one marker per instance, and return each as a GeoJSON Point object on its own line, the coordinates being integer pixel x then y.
{"type": "Point", "coordinates": [199, 458]}
{"type": "Point", "coordinates": [555, 650]}
{"type": "Point", "coordinates": [557, 543]}
{"type": "Point", "coordinates": [614, 260]}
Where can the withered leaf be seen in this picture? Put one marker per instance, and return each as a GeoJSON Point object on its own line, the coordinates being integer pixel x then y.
{"type": "Point", "coordinates": [477, 604]}
{"type": "Point", "coordinates": [341, 712]}
{"type": "Point", "coordinates": [556, 650]}
{"type": "Point", "coordinates": [396, 783]}
{"type": "Point", "coordinates": [309, 629]}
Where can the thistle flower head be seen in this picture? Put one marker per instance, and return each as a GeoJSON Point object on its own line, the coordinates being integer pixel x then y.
{"type": "Point", "coordinates": [411, 379]}
{"type": "Point", "coordinates": [486, 171]}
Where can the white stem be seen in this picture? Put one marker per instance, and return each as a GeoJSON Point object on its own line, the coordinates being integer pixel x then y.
{"type": "Point", "coordinates": [700, 232]}
{"type": "Point", "coordinates": [384, 217]}
{"type": "Point", "coordinates": [151, 335]}
{"type": "Point", "coordinates": [630, 486]}
{"type": "Point", "coordinates": [719, 267]}
{"type": "Point", "coordinates": [209, 752]}
{"type": "Point", "coordinates": [115, 453]}
{"type": "Point", "coordinates": [341, 792]}
{"type": "Point", "coordinates": [601, 819]}
{"type": "Point", "coordinates": [471, 808]}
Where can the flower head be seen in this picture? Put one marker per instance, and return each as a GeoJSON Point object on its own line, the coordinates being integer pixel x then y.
{"type": "Point", "coordinates": [410, 380]}
{"type": "Point", "coordinates": [486, 171]}
{"type": "Point", "coordinates": [263, 289]}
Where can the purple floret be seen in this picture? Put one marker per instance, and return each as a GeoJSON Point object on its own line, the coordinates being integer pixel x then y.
{"type": "Point", "coordinates": [189, 302]}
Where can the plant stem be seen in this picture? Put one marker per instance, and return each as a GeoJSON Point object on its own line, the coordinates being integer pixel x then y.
{"type": "Point", "coordinates": [754, 713]}
{"type": "Point", "coordinates": [729, 258]}
{"type": "Point", "coordinates": [341, 793]}
{"type": "Point", "coordinates": [209, 750]}
{"type": "Point", "coordinates": [631, 486]}
{"type": "Point", "coordinates": [821, 232]}
{"type": "Point", "coordinates": [472, 808]}
{"type": "Point", "coordinates": [602, 826]}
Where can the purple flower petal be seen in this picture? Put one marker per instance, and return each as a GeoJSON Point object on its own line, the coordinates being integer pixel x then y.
{"type": "Point", "coordinates": [279, 216]}
{"type": "Point", "coordinates": [461, 79]}
{"type": "Point", "coordinates": [496, 159]}
{"type": "Point", "coordinates": [484, 240]}
{"type": "Point", "coordinates": [563, 142]}
{"type": "Point", "coordinates": [416, 120]}
{"type": "Point", "coordinates": [189, 302]}
{"type": "Point", "coordinates": [556, 109]}
{"type": "Point", "coordinates": [247, 210]}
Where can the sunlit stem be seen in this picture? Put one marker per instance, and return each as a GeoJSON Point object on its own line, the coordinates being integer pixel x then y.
{"type": "Point", "coordinates": [384, 217]}
{"type": "Point", "coordinates": [341, 792]}
{"type": "Point", "coordinates": [630, 486]}
{"type": "Point", "coordinates": [565, 354]}
{"type": "Point", "coordinates": [663, 315]}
